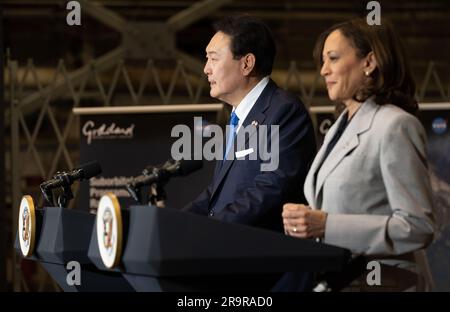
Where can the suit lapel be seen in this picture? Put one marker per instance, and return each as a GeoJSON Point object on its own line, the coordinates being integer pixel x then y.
{"type": "Point", "coordinates": [255, 114]}
{"type": "Point", "coordinates": [310, 183]}
{"type": "Point", "coordinates": [361, 122]}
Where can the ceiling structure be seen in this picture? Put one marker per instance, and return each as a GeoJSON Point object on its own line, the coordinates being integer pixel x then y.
{"type": "Point", "coordinates": [424, 25]}
{"type": "Point", "coordinates": [37, 29]}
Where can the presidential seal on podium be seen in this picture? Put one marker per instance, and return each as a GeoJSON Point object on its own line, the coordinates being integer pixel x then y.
{"type": "Point", "coordinates": [27, 225]}
{"type": "Point", "coordinates": [109, 230]}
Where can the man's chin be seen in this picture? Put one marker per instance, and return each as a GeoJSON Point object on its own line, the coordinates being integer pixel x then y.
{"type": "Point", "coordinates": [213, 94]}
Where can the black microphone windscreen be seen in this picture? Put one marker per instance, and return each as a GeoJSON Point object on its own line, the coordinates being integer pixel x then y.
{"type": "Point", "coordinates": [90, 169]}
{"type": "Point", "coordinates": [189, 166]}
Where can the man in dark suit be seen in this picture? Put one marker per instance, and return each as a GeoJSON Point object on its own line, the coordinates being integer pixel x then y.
{"type": "Point", "coordinates": [239, 62]}
{"type": "Point", "coordinates": [240, 57]}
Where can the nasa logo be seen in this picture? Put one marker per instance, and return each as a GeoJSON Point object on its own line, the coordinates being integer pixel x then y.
{"type": "Point", "coordinates": [439, 125]}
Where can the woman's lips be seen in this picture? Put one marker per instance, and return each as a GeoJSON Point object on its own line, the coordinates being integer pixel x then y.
{"type": "Point", "coordinates": [330, 84]}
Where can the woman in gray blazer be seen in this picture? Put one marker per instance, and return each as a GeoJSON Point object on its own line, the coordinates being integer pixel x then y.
{"type": "Point", "coordinates": [368, 188]}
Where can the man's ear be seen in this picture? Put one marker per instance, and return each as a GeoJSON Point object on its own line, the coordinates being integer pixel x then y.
{"type": "Point", "coordinates": [370, 63]}
{"type": "Point", "coordinates": [248, 64]}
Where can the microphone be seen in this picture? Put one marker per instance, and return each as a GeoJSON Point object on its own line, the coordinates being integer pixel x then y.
{"type": "Point", "coordinates": [83, 172]}
{"type": "Point", "coordinates": [65, 179]}
{"type": "Point", "coordinates": [170, 168]}
{"type": "Point", "coordinates": [162, 174]}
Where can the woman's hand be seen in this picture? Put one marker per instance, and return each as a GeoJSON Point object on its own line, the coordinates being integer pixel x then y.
{"type": "Point", "coordinates": [303, 222]}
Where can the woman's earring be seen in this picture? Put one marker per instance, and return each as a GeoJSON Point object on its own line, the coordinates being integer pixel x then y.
{"type": "Point", "coordinates": [367, 73]}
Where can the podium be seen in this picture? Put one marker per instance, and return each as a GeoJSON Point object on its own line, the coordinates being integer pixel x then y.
{"type": "Point", "coordinates": [62, 237]}
{"type": "Point", "coordinates": [170, 250]}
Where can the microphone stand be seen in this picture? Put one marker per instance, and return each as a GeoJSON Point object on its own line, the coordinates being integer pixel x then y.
{"type": "Point", "coordinates": [156, 191]}
{"type": "Point", "coordinates": [66, 195]}
{"type": "Point", "coordinates": [47, 194]}
{"type": "Point", "coordinates": [156, 194]}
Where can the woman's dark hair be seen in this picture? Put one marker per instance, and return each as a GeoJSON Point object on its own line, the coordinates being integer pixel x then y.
{"type": "Point", "coordinates": [392, 81]}
{"type": "Point", "coordinates": [249, 35]}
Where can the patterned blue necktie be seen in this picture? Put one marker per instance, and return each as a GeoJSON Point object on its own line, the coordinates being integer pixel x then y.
{"type": "Point", "coordinates": [234, 121]}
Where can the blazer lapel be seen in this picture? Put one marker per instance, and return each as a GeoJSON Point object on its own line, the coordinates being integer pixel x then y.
{"type": "Point", "coordinates": [310, 183]}
{"type": "Point", "coordinates": [361, 122]}
{"type": "Point", "coordinates": [255, 114]}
